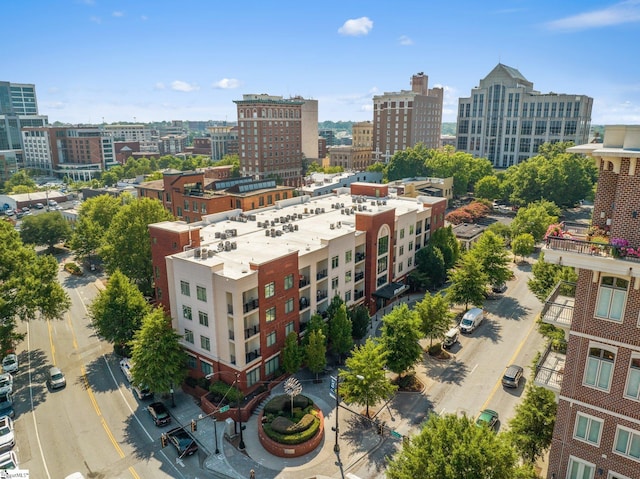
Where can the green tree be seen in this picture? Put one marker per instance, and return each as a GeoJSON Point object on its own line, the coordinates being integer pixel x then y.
{"type": "Point", "coordinates": [535, 219]}
{"type": "Point", "coordinates": [126, 245]}
{"type": "Point", "coordinates": [463, 167]}
{"type": "Point", "coordinates": [159, 361]}
{"type": "Point", "coordinates": [407, 163]}
{"type": "Point", "coordinates": [315, 352]}
{"type": "Point", "coordinates": [547, 275]}
{"type": "Point", "coordinates": [488, 187]}
{"type": "Point", "coordinates": [94, 218]}
{"type": "Point", "coordinates": [430, 271]}
{"type": "Point", "coordinates": [523, 245]}
{"type": "Point", "coordinates": [360, 321]}
{"type": "Point", "coordinates": [365, 381]}
{"type": "Point", "coordinates": [340, 332]}
{"type": "Point", "coordinates": [531, 429]}
{"type": "Point", "coordinates": [500, 229]}
{"type": "Point", "coordinates": [20, 178]}
{"type": "Point", "coordinates": [434, 315]}
{"type": "Point", "coordinates": [110, 178]}
{"type": "Point", "coordinates": [452, 447]}
{"type": "Point", "coordinates": [47, 229]}
{"type": "Point", "coordinates": [334, 306]}
{"type": "Point", "coordinates": [291, 353]}
{"type": "Point", "coordinates": [445, 240]}
{"type": "Point", "coordinates": [468, 283]}
{"type": "Point", "coordinates": [400, 338]}
{"type": "Point", "coordinates": [118, 310]}
{"type": "Point", "coordinates": [490, 252]}
{"type": "Point", "coordinates": [29, 286]}
{"type": "Point", "coordinates": [316, 323]}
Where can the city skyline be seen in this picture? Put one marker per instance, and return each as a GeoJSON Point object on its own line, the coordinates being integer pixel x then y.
{"type": "Point", "coordinates": [93, 61]}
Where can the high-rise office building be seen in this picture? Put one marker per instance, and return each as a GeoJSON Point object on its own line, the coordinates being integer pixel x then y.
{"type": "Point", "coordinates": [404, 119]}
{"type": "Point", "coordinates": [506, 120]}
{"type": "Point", "coordinates": [597, 380]}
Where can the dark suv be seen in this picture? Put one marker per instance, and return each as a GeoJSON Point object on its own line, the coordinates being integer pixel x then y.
{"type": "Point", "coordinates": [159, 414]}
{"type": "Point", "coordinates": [512, 376]}
{"type": "Point", "coordinates": [183, 442]}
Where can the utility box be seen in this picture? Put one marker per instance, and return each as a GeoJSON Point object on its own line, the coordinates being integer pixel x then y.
{"type": "Point", "coordinates": [229, 427]}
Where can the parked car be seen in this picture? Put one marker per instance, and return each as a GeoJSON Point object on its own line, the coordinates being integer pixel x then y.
{"type": "Point", "coordinates": [56, 378]}
{"type": "Point", "coordinates": [52, 203]}
{"type": "Point", "coordinates": [8, 461]}
{"type": "Point", "coordinates": [159, 413]}
{"type": "Point", "coordinates": [25, 209]}
{"type": "Point", "coordinates": [183, 442]}
{"type": "Point", "coordinates": [6, 405]}
{"type": "Point", "coordinates": [499, 288]}
{"type": "Point", "coordinates": [39, 206]}
{"type": "Point", "coordinates": [10, 363]}
{"type": "Point", "coordinates": [451, 337]}
{"type": "Point", "coordinates": [6, 383]}
{"type": "Point", "coordinates": [7, 438]}
{"type": "Point", "coordinates": [141, 391]}
{"type": "Point", "coordinates": [471, 320]}
{"type": "Point", "coordinates": [9, 212]}
{"type": "Point", "coordinates": [488, 418]}
{"type": "Point", "coordinates": [512, 376]}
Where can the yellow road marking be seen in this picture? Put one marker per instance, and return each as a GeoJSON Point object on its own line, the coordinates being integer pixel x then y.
{"type": "Point", "coordinates": [53, 348]}
{"type": "Point", "coordinates": [112, 438]}
{"type": "Point", "coordinates": [90, 391]}
{"type": "Point", "coordinates": [73, 333]}
{"type": "Point", "coordinates": [511, 361]}
{"type": "Point", "coordinates": [133, 472]}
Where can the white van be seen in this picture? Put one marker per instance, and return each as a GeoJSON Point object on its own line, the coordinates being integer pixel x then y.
{"type": "Point", "coordinates": [471, 320]}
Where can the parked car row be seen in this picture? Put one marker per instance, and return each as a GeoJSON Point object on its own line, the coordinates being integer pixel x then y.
{"type": "Point", "coordinates": [8, 458]}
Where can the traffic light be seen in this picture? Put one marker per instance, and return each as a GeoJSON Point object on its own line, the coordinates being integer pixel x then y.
{"type": "Point", "coordinates": [164, 440]}
{"type": "Point", "coordinates": [194, 425]}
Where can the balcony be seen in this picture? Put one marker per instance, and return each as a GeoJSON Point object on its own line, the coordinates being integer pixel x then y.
{"type": "Point", "coordinates": [304, 303]}
{"type": "Point", "coordinates": [303, 282]}
{"type": "Point", "coordinates": [250, 305]}
{"type": "Point", "coordinates": [320, 295]}
{"type": "Point", "coordinates": [357, 295]}
{"type": "Point", "coordinates": [558, 307]}
{"type": "Point", "coordinates": [359, 257]}
{"type": "Point", "coordinates": [232, 335]}
{"type": "Point", "coordinates": [252, 355]}
{"type": "Point", "coordinates": [321, 274]}
{"type": "Point", "coordinates": [251, 331]}
{"type": "Point", "coordinates": [550, 370]}
{"type": "Point", "coordinates": [359, 276]}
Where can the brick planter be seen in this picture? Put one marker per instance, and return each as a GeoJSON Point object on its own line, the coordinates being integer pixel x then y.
{"type": "Point", "coordinates": [288, 450]}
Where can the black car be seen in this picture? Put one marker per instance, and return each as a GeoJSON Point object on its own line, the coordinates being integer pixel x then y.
{"type": "Point", "coordinates": [183, 442]}
{"type": "Point", "coordinates": [159, 413]}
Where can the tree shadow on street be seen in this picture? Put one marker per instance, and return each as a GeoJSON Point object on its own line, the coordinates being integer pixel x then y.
{"type": "Point", "coordinates": [39, 363]}
{"type": "Point", "coordinates": [509, 308]}
{"type": "Point", "coordinates": [450, 371]}
{"type": "Point", "coordinates": [98, 374]}
{"type": "Point", "coordinates": [489, 329]}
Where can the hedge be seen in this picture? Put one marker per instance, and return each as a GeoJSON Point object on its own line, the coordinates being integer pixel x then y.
{"type": "Point", "coordinates": [220, 388]}
{"type": "Point", "coordinates": [295, 438]}
{"type": "Point", "coordinates": [283, 403]}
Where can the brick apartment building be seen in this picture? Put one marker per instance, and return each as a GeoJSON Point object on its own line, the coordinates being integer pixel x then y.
{"type": "Point", "coordinates": [597, 382]}
{"type": "Point", "coordinates": [236, 283]}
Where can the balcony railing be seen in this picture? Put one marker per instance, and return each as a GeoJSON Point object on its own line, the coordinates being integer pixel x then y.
{"type": "Point", "coordinates": [250, 305]}
{"type": "Point", "coordinates": [588, 247]}
{"type": "Point", "coordinates": [251, 331]}
{"type": "Point", "coordinates": [232, 335]}
{"type": "Point", "coordinates": [252, 355]}
{"type": "Point", "coordinates": [320, 295]}
{"type": "Point", "coordinates": [359, 257]}
{"type": "Point", "coordinates": [558, 307]}
{"type": "Point", "coordinates": [358, 294]}
{"type": "Point", "coordinates": [304, 303]}
{"type": "Point", "coordinates": [321, 274]}
{"type": "Point", "coordinates": [359, 276]}
{"type": "Point", "coordinates": [549, 370]}
{"type": "Point", "coordinates": [303, 282]}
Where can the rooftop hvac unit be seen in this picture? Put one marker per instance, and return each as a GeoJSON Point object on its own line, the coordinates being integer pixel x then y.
{"type": "Point", "coordinates": [267, 232]}
{"type": "Point", "coordinates": [273, 233]}
{"type": "Point", "coordinates": [223, 235]}
{"type": "Point", "coordinates": [341, 205]}
{"type": "Point", "coordinates": [384, 202]}
{"type": "Point", "coordinates": [317, 211]}
{"type": "Point", "coordinates": [322, 210]}
{"type": "Point", "coordinates": [227, 246]}
{"type": "Point", "coordinates": [259, 224]}
{"type": "Point", "coordinates": [276, 220]}
{"type": "Point", "coordinates": [373, 203]}
{"type": "Point", "coordinates": [342, 211]}
{"type": "Point", "coordinates": [339, 225]}
{"type": "Point", "coordinates": [234, 232]}
{"type": "Point", "coordinates": [278, 232]}
{"type": "Point", "coordinates": [332, 226]}
{"type": "Point", "coordinates": [295, 227]}
{"type": "Point", "coordinates": [204, 252]}
{"type": "Point", "coordinates": [220, 246]}
{"type": "Point", "coordinates": [306, 211]}
{"type": "Point", "coordinates": [359, 207]}
{"type": "Point", "coordinates": [196, 253]}
{"type": "Point", "coordinates": [211, 253]}
{"type": "Point", "coordinates": [252, 217]}
{"type": "Point", "coordinates": [234, 245]}
{"type": "Point", "coordinates": [364, 207]}
{"type": "Point", "coordinates": [217, 234]}
{"type": "Point", "coordinates": [273, 223]}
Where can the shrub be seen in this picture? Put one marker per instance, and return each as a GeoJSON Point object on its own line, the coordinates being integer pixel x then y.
{"type": "Point", "coordinates": [72, 268]}
{"type": "Point", "coordinates": [435, 350]}
{"type": "Point", "coordinates": [297, 437]}
{"type": "Point", "coordinates": [191, 382]}
{"type": "Point", "coordinates": [283, 403]}
{"type": "Point", "coordinates": [220, 390]}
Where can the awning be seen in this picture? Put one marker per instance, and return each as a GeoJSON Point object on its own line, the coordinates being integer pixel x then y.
{"type": "Point", "coordinates": [391, 290]}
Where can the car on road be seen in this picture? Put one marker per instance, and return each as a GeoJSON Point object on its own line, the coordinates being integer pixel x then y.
{"type": "Point", "coordinates": [512, 376]}
{"type": "Point", "coordinates": [471, 320]}
{"type": "Point", "coordinates": [56, 378]}
{"type": "Point", "coordinates": [487, 418]}
{"type": "Point", "coordinates": [183, 441]}
{"type": "Point", "coordinates": [10, 363]}
{"type": "Point", "coordinates": [6, 405]}
{"type": "Point", "coordinates": [25, 210]}
{"type": "Point", "coordinates": [39, 206]}
{"type": "Point", "coordinates": [7, 438]}
{"type": "Point", "coordinates": [159, 413]}
{"type": "Point", "coordinates": [451, 337]}
{"type": "Point", "coordinates": [6, 383]}
{"type": "Point", "coordinates": [8, 461]}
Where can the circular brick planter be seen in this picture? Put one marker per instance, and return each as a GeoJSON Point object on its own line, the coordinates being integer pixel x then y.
{"type": "Point", "coordinates": [288, 450]}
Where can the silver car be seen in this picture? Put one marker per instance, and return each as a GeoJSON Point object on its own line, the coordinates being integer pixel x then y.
{"type": "Point", "coordinates": [6, 383]}
{"type": "Point", "coordinates": [10, 363]}
{"type": "Point", "coordinates": [56, 378]}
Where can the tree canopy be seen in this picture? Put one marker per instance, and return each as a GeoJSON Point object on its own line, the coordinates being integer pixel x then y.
{"type": "Point", "coordinates": [492, 255]}
{"type": "Point", "coordinates": [340, 331]}
{"type": "Point", "coordinates": [315, 352]}
{"type": "Point", "coordinates": [291, 353]}
{"type": "Point", "coordinates": [400, 336]}
{"type": "Point", "coordinates": [535, 219]}
{"type": "Point", "coordinates": [468, 282]}
{"type": "Point", "coordinates": [434, 315]}
{"type": "Point", "coordinates": [46, 229]}
{"type": "Point", "coordinates": [94, 218]}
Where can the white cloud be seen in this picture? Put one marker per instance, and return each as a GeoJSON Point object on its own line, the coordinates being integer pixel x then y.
{"type": "Point", "coordinates": [95, 19]}
{"type": "Point", "coordinates": [356, 27]}
{"type": "Point", "coordinates": [179, 85]}
{"type": "Point", "coordinates": [405, 40]}
{"type": "Point", "coordinates": [227, 84]}
{"type": "Point", "coordinates": [118, 14]}
{"type": "Point", "coordinates": [623, 12]}
{"type": "Point", "coordinates": [159, 86]}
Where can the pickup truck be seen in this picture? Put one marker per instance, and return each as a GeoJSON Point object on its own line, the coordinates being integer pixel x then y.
{"type": "Point", "coordinates": [183, 442]}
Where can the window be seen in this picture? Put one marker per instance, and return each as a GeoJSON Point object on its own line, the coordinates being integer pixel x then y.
{"type": "Point", "coordinates": [206, 368]}
{"type": "Point", "coordinates": [334, 262]}
{"type": "Point", "coordinates": [611, 298]}
{"type": "Point", "coordinates": [184, 288]}
{"type": "Point", "coordinates": [271, 338]}
{"type": "Point", "coordinates": [347, 277]}
{"type": "Point", "coordinates": [288, 306]}
{"type": "Point", "coordinates": [289, 328]}
{"type": "Point", "coordinates": [201, 292]}
{"type": "Point", "coordinates": [348, 256]}
{"type": "Point", "coordinates": [203, 318]}
{"type": "Point", "coordinates": [632, 390]}
{"type": "Point", "coordinates": [410, 229]}
{"type": "Point", "coordinates": [191, 361]}
{"type": "Point", "coordinates": [334, 283]}
{"type": "Point", "coordinates": [627, 443]}
{"type": "Point", "coordinates": [347, 296]}
{"type": "Point", "coordinates": [382, 265]}
{"type": "Point", "coordinates": [383, 245]}
{"type": "Point", "coordinates": [269, 289]}
{"type": "Point", "coordinates": [186, 312]}
{"type": "Point", "coordinates": [579, 469]}
{"type": "Point", "coordinates": [205, 343]}
{"type": "Point", "coordinates": [401, 250]}
{"type": "Point", "coordinates": [588, 429]}
{"type": "Point", "coordinates": [188, 336]}
{"type": "Point", "coordinates": [253, 376]}
{"type": "Point", "coordinates": [272, 366]}
{"type": "Point", "coordinates": [599, 368]}
{"type": "Point", "coordinates": [271, 314]}
{"type": "Point", "coordinates": [410, 245]}
{"type": "Point", "coordinates": [402, 233]}
{"type": "Point", "coordinates": [288, 281]}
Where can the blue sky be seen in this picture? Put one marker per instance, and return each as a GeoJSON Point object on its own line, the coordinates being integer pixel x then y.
{"type": "Point", "coordinates": [151, 60]}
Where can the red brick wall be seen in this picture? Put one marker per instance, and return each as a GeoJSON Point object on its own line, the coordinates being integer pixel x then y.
{"type": "Point", "coordinates": [370, 189]}
{"type": "Point", "coordinates": [627, 201]}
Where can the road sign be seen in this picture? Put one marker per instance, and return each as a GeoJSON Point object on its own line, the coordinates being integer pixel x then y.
{"type": "Point", "coordinates": [224, 408]}
{"type": "Point", "coordinates": [396, 434]}
{"type": "Point", "coordinates": [333, 384]}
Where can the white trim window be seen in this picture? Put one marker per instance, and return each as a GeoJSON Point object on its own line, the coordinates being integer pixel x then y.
{"type": "Point", "coordinates": [588, 429]}
{"type": "Point", "coordinates": [632, 390]}
{"type": "Point", "coordinates": [615, 475]}
{"type": "Point", "coordinates": [612, 296]}
{"type": "Point", "coordinates": [253, 376]}
{"type": "Point", "coordinates": [599, 368]}
{"type": "Point", "coordinates": [185, 288]}
{"type": "Point", "coordinates": [579, 469]}
{"type": "Point", "coordinates": [627, 443]}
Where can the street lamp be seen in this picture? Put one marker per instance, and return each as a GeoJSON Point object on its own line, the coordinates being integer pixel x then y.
{"type": "Point", "coordinates": [241, 445]}
{"type": "Point", "coordinates": [336, 446]}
